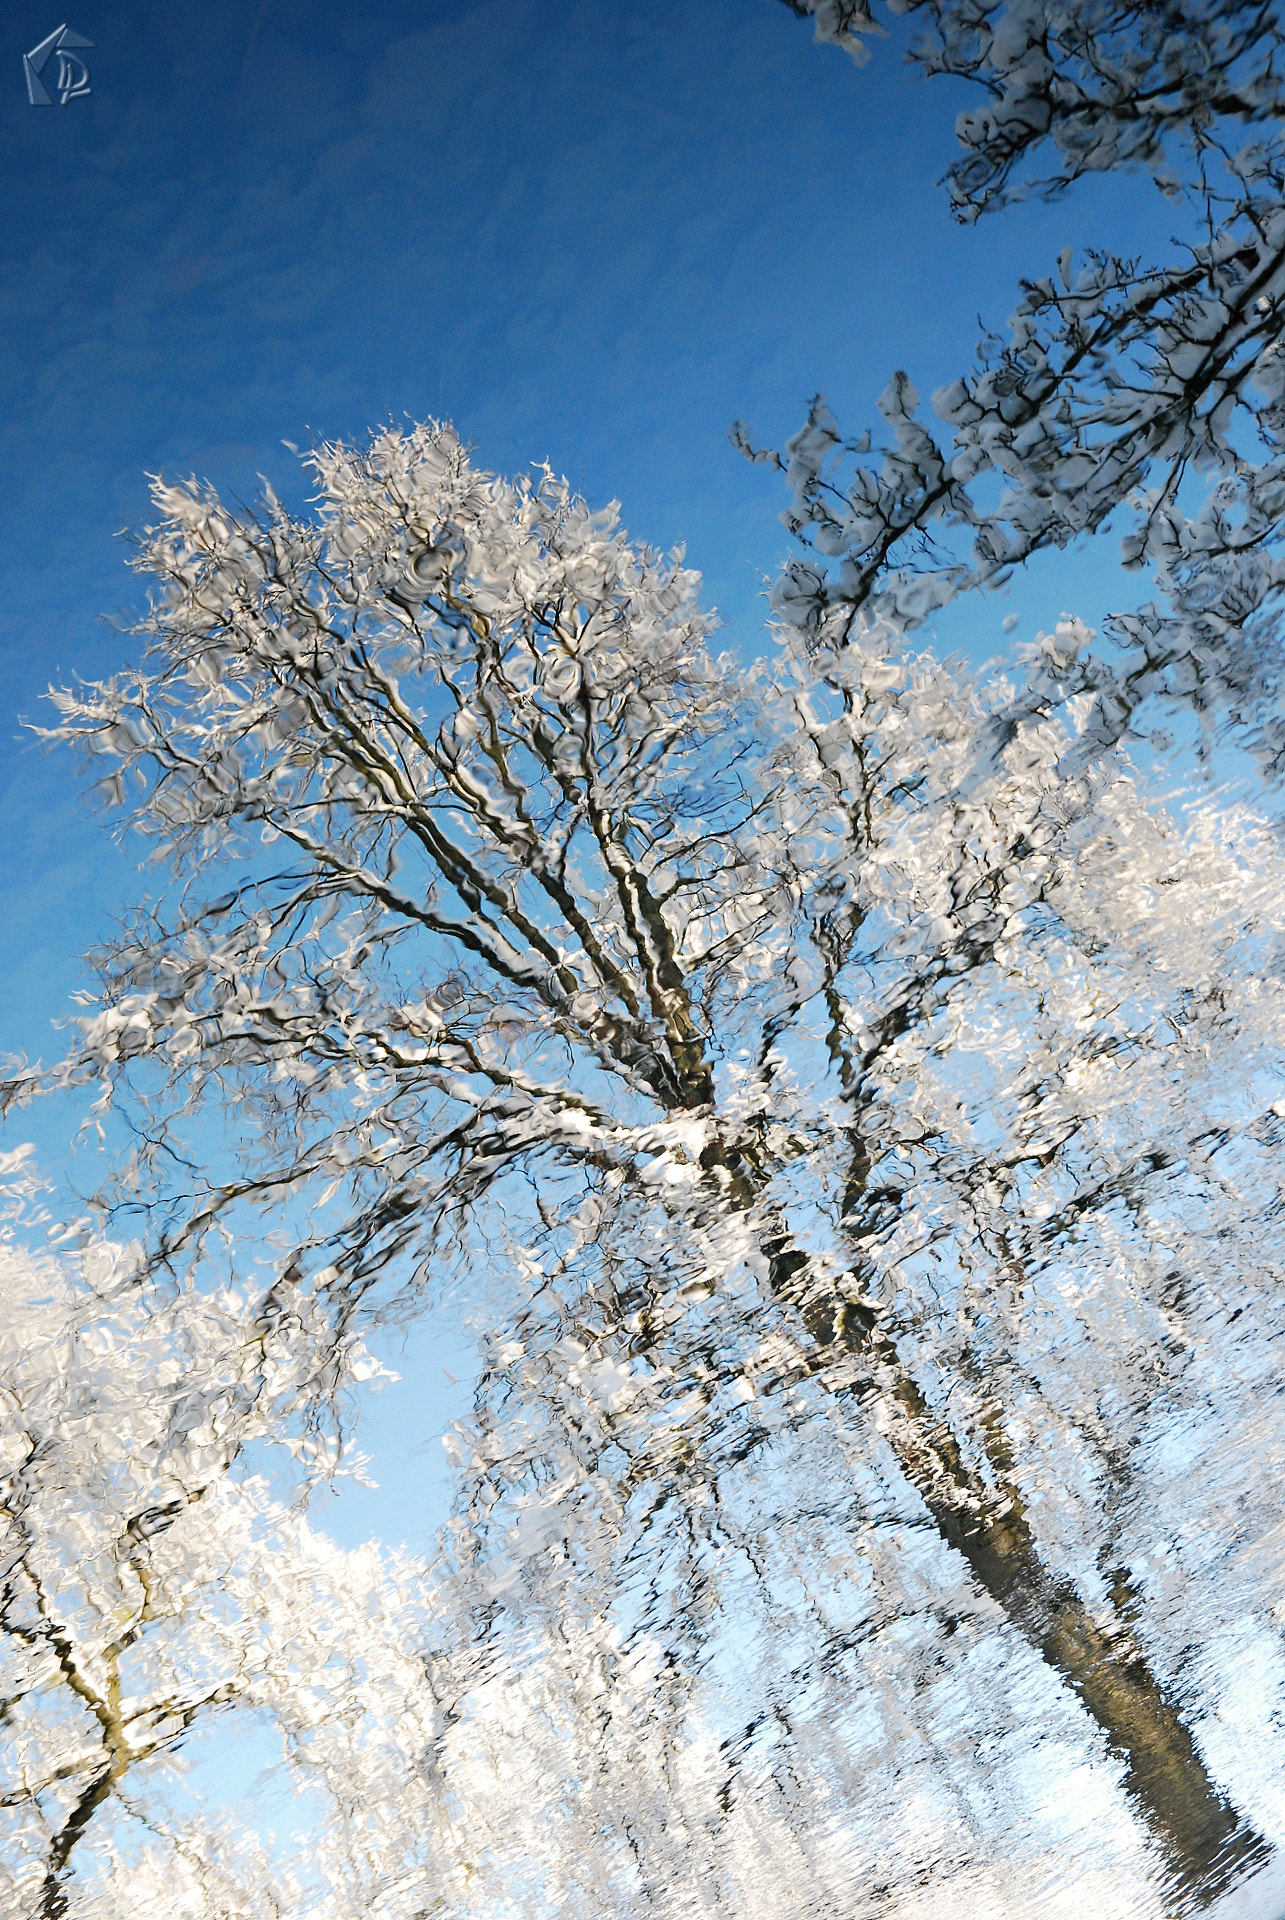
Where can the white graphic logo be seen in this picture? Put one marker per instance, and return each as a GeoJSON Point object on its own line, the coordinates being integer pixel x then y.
{"type": "Point", "coordinates": [73, 75]}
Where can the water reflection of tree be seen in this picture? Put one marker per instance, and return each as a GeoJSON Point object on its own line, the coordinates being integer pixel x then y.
{"type": "Point", "coordinates": [590, 948]}
{"type": "Point", "coordinates": [847, 1086]}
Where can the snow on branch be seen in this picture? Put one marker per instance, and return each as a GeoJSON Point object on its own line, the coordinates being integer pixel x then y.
{"type": "Point", "coordinates": [1103, 84]}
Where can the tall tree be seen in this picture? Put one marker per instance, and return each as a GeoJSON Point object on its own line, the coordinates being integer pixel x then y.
{"type": "Point", "coordinates": [669, 996]}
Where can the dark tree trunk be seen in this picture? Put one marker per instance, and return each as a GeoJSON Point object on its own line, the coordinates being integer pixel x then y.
{"type": "Point", "coordinates": [1207, 1844]}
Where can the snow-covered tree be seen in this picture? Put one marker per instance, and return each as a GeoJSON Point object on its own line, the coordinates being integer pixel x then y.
{"type": "Point", "coordinates": [1105, 83]}
{"type": "Point", "coordinates": [757, 1042]}
{"type": "Point", "coordinates": [1126, 391]}
{"type": "Point", "coordinates": [848, 1090]}
{"type": "Point", "coordinates": [147, 1597]}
